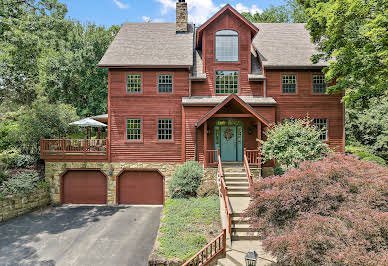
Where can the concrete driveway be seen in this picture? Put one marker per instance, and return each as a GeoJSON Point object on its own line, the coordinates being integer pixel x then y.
{"type": "Point", "coordinates": [80, 235]}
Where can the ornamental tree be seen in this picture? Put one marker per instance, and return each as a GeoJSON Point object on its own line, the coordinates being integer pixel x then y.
{"type": "Point", "coordinates": [293, 142]}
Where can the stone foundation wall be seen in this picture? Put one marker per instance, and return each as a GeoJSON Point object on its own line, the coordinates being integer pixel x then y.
{"type": "Point", "coordinates": [54, 171]}
{"type": "Point", "coordinates": [20, 204]}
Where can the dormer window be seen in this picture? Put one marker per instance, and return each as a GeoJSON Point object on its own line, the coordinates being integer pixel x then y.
{"type": "Point", "coordinates": [226, 46]}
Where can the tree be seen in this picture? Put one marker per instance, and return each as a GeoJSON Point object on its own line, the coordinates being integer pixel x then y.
{"type": "Point", "coordinates": [327, 212]}
{"type": "Point", "coordinates": [288, 13]}
{"type": "Point", "coordinates": [354, 32]}
{"type": "Point", "coordinates": [293, 142]}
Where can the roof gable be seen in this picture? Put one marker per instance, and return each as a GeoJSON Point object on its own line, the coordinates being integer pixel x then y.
{"type": "Point", "coordinates": [239, 101]}
{"type": "Point", "coordinates": [251, 26]}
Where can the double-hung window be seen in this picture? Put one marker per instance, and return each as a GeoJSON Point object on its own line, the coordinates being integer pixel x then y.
{"type": "Point", "coordinates": [226, 46]}
{"type": "Point", "coordinates": [134, 129]}
{"type": "Point", "coordinates": [134, 83]}
{"type": "Point", "coordinates": [165, 129]}
{"type": "Point", "coordinates": [289, 83]}
{"type": "Point", "coordinates": [322, 125]}
{"type": "Point", "coordinates": [319, 84]}
{"type": "Point", "coordinates": [165, 83]}
{"type": "Point", "coordinates": [227, 82]}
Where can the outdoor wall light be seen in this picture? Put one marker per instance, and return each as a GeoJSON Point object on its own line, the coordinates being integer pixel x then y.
{"type": "Point", "coordinates": [251, 258]}
{"type": "Point", "coordinates": [110, 172]}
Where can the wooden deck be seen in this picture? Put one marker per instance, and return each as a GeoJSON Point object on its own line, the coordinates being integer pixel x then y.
{"type": "Point", "coordinates": [74, 150]}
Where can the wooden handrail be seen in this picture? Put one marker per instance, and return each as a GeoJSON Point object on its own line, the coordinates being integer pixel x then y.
{"type": "Point", "coordinates": [203, 257]}
{"type": "Point", "coordinates": [224, 192]}
{"type": "Point", "coordinates": [248, 171]}
{"type": "Point", "coordinates": [73, 146]}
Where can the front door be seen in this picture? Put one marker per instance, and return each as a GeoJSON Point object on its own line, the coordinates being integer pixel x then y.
{"type": "Point", "coordinates": [228, 138]}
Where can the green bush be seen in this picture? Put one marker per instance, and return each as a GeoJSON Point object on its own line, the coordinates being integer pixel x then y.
{"type": "Point", "coordinates": [24, 160]}
{"type": "Point", "coordinates": [376, 159]}
{"type": "Point", "coordinates": [363, 154]}
{"type": "Point", "coordinates": [22, 183]}
{"type": "Point", "coordinates": [3, 175]}
{"type": "Point", "coordinates": [5, 129]}
{"type": "Point", "coordinates": [293, 142]}
{"type": "Point", "coordinates": [9, 157]}
{"type": "Point", "coordinates": [186, 180]}
{"type": "Point", "coordinates": [279, 170]}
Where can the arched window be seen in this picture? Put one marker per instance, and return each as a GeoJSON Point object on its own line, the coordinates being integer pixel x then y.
{"type": "Point", "coordinates": [226, 46]}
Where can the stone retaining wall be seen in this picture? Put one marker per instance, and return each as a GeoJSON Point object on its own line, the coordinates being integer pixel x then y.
{"type": "Point", "coordinates": [18, 205]}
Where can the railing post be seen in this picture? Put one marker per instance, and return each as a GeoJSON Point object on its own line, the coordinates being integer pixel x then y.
{"type": "Point", "coordinates": [63, 146]}
{"type": "Point", "coordinates": [224, 241]}
{"type": "Point", "coordinates": [85, 145]}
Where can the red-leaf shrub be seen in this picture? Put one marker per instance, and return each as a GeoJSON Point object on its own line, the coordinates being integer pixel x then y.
{"type": "Point", "coordinates": [328, 212]}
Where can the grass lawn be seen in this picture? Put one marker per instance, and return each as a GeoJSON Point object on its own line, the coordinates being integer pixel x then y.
{"type": "Point", "coordinates": [188, 225]}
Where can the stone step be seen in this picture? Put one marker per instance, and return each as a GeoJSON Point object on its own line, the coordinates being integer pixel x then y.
{"type": "Point", "coordinates": [235, 179]}
{"type": "Point", "coordinates": [240, 227]}
{"type": "Point", "coordinates": [237, 189]}
{"type": "Point", "coordinates": [227, 262]}
{"type": "Point", "coordinates": [233, 170]}
{"type": "Point", "coordinates": [239, 220]}
{"type": "Point", "coordinates": [238, 193]}
{"type": "Point", "coordinates": [235, 174]}
{"type": "Point", "coordinates": [237, 214]}
{"type": "Point", "coordinates": [235, 183]}
{"type": "Point", "coordinates": [245, 236]}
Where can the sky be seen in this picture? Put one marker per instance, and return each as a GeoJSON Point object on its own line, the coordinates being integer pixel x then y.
{"type": "Point", "coordinates": [116, 12]}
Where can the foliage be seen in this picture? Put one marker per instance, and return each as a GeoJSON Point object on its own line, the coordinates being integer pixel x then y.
{"type": "Point", "coordinates": [208, 188]}
{"type": "Point", "coordinates": [188, 225]}
{"type": "Point", "coordinates": [363, 154]}
{"type": "Point", "coordinates": [291, 12]}
{"type": "Point", "coordinates": [6, 127]}
{"type": "Point", "coordinates": [3, 175]}
{"type": "Point", "coordinates": [293, 142]}
{"type": "Point", "coordinates": [21, 183]}
{"type": "Point", "coordinates": [327, 212]}
{"type": "Point", "coordinates": [279, 170]}
{"type": "Point", "coordinates": [374, 158]}
{"type": "Point", "coordinates": [186, 180]}
{"type": "Point", "coordinates": [8, 158]}
{"type": "Point", "coordinates": [42, 120]}
{"type": "Point", "coordinates": [354, 32]}
{"type": "Point", "coordinates": [45, 54]}
{"type": "Point", "coordinates": [369, 127]}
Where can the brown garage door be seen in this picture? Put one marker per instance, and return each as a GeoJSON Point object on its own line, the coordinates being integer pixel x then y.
{"type": "Point", "coordinates": [84, 187]}
{"type": "Point", "coordinates": [141, 187]}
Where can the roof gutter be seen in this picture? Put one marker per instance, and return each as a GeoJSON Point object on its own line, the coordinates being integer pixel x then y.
{"type": "Point", "coordinates": [143, 66]}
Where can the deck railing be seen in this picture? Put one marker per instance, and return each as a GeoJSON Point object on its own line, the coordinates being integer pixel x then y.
{"type": "Point", "coordinates": [248, 171]}
{"type": "Point", "coordinates": [253, 157]}
{"type": "Point", "coordinates": [73, 146]}
{"type": "Point", "coordinates": [212, 157]}
{"type": "Point", "coordinates": [209, 252]}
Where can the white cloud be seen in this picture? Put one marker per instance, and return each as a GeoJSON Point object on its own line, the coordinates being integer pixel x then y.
{"type": "Point", "coordinates": [146, 19]}
{"type": "Point", "coordinates": [166, 5]}
{"type": "Point", "coordinates": [253, 9]}
{"type": "Point", "coordinates": [149, 19]}
{"type": "Point", "coordinates": [121, 5]}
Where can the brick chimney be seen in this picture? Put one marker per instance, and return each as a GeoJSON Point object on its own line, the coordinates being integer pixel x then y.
{"type": "Point", "coordinates": [181, 16]}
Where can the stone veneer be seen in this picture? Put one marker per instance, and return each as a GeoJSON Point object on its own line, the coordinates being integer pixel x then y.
{"type": "Point", "coordinates": [55, 169]}
{"type": "Point", "coordinates": [20, 204]}
{"type": "Point", "coordinates": [181, 16]}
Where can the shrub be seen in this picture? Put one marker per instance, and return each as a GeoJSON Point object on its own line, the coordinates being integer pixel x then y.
{"type": "Point", "coordinates": [186, 180]}
{"type": "Point", "coordinates": [327, 212]}
{"type": "Point", "coordinates": [8, 158]}
{"type": "Point", "coordinates": [293, 142]}
{"type": "Point", "coordinates": [208, 188]}
{"type": "Point", "coordinates": [374, 158]}
{"type": "Point", "coordinates": [22, 183]}
{"type": "Point", "coordinates": [3, 175]}
{"type": "Point", "coordinates": [5, 128]}
{"type": "Point", "coordinates": [279, 170]}
{"type": "Point", "coordinates": [24, 160]}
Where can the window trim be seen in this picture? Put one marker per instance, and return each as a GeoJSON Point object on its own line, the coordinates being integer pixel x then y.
{"type": "Point", "coordinates": [327, 129]}
{"type": "Point", "coordinates": [141, 82]}
{"type": "Point", "coordinates": [238, 47]}
{"type": "Point", "coordinates": [157, 83]}
{"type": "Point", "coordinates": [157, 130]}
{"type": "Point", "coordinates": [312, 84]}
{"type": "Point", "coordinates": [296, 83]}
{"type": "Point", "coordinates": [215, 85]}
{"type": "Point", "coordinates": [141, 140]}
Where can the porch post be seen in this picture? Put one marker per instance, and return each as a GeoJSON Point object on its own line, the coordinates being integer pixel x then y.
{"type": "Point", "coordinates": [205, 144]}
{"type": "Point", "coordinates": [258, 143]}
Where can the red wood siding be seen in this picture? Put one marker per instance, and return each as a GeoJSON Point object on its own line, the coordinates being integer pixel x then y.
{"type": "Point", "coordinates": [149, 105]}
{"type": "Point", "coordinates": [231, 22]}
{"type": "Point", "coordinates": [305, 103]}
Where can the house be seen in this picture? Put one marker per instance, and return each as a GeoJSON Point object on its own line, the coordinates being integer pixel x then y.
{"type": "Point", "coordinates": [178, 92]}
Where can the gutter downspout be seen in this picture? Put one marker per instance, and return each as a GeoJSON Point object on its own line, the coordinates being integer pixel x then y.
{"type": "Point", "coordinates": [195, 144]}
{"type": "Point", "coordinates": [265, 88]}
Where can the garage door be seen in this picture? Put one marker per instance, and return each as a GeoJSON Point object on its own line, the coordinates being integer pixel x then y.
{"type": "Point", "coordinates": [140, 187]}
{"type": "Point", "coordinates": [84, 187]}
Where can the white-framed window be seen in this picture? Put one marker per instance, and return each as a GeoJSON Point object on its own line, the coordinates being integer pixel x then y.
{"type": "Point", "coordinates": [226, 46]}
{"type": "Point", "coordinates": [319, 84]}
{"type": "Point", "coordinates": [322, 124]}
{"type": "Point", "coordinates": [165, 83]}
{"type": "Point", "coordinates": [134, 129]}
{"type": "Point", "coordinates": [227, 82]}
{"type": "Point", "coordinates": [289, 83]}
{"type": "Point", "coordinates": [134, 83]}
{"type": "Point", "coordinates": [165, 129]}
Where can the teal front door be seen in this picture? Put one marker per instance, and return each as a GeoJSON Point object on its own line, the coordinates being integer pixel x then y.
{"type": "Point", "coordinates": [228, 138]}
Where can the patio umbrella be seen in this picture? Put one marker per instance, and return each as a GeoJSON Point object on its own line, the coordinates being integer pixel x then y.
{"type": "Point", "coordinates": [88, 123]}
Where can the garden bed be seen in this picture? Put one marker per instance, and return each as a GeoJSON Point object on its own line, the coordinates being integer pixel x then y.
{"type": "Point", "coordinates": [187, 226]}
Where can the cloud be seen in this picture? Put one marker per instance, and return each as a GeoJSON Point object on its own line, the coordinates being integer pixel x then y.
{"type": "Point", "coordinates": [149, 19]}
{"type": "Point", "coordinates": [166, 5]}
{"type": "Point", "coordinates": [120, 4]}
{"type": "Point", "coordinates": [253, 9]}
